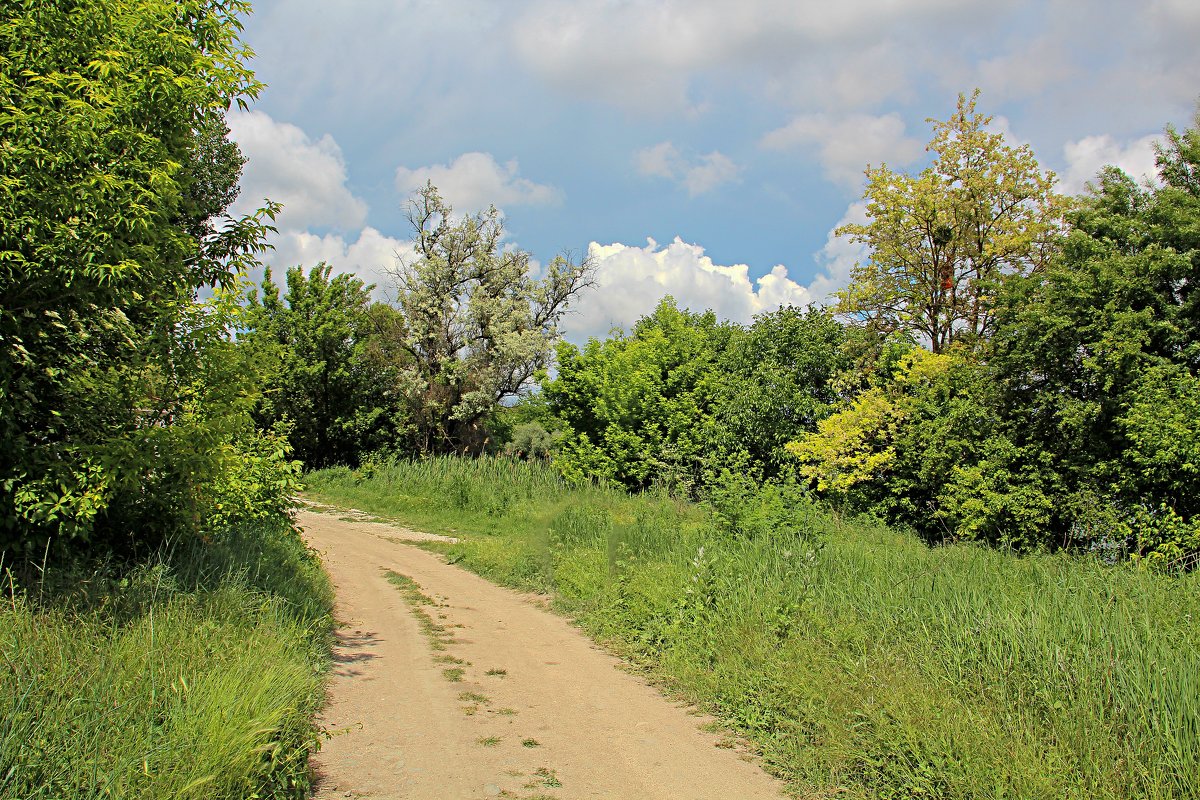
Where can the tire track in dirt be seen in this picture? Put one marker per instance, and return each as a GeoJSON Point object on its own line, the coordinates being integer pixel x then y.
{"type": "Point", "coordinates": [538, 710]}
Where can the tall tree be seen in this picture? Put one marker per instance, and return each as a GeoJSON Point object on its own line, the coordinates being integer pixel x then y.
{"type": "Point", "coordinates": [114, 176]}
{"type": "Point", "coordinates": [941, 242]}
{"type": "Point", "coordinates": [478, 326]}
{"type": "Point", "coordinates": [319, 344]}
{"type": "Point", "coordinates": [1098, 358]}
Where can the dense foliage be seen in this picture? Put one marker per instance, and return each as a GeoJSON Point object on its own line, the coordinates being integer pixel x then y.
{"type": "Point", "coordinates": [122, 403]}
{"type": "Point", "coordinates": [470, 330]}
{"type": "Point", "coordinates": [1071, 424]}
{"type": "Point", "coordinates": [1038, 389]}
{"type": "Point", "coordinates": [164, 630]}
{"type": "Point", "coordinates": [684, 398]}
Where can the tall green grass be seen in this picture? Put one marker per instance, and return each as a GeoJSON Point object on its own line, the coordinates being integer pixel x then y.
{"type": "Point", "coordinates": [194, 676]}
{"type": "Point", "coordinates": [861, 662]}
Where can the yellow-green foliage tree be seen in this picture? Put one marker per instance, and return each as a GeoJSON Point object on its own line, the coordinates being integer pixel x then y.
{"type": "Point", "coordinates": [857, 444]}
{"type": "Point", "coordinates": [942, 241]}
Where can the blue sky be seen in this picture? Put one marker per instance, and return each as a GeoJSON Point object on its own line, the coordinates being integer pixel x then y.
{"type": "Point", "coordinates": [700, 148]}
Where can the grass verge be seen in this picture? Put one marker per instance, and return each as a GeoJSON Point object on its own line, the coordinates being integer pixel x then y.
{"type": "Point", "coordinates": [859, 661]}
{"type": "Point", "coordinates": [194, 676]}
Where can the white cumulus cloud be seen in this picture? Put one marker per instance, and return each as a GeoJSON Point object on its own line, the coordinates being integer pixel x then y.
{"type": "Point", "coordinates": [846, 145]}
{"type": "Point", "coordinates": [370, 256]}
{"type": "Point", "coordinates": [473, 181]}
{"type": "Point", "coordinates": [630, 281]}
{"type": "Point", "coordinates": [286, 165]}
{"type": "Point", "coordinates": [1086, 156]}
{"type": "Point", "coordinates": [698, 175]}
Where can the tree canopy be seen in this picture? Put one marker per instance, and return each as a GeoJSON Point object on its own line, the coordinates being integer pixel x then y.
{"type": "Point", "coordinates": [942, 242]}
{"type": "Point", "coordinates": [318, 345]}
{"type": "Point", "coordinates": [115, 173]}
{"type": "Point", "coordinates": [478, 327]}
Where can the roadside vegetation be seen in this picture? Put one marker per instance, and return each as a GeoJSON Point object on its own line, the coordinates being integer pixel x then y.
{"type": "Point", "coordinates": [1007, 365]}
{"type": "Point", "coordinates": [857, 659]}
{"type": "Point", "coordinates": [194, 674]}
{"type": "Point", "coordinates": [164, 631]}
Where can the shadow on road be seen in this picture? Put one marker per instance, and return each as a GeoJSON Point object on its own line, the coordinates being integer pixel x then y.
{"type": "Point", "coordinates": [353, 647]}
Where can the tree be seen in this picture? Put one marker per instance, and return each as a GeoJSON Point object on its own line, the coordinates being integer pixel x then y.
{"type": "Point", "coordinates": [638, 407]}
{"type": "Point", "coordinates": [321, 343]}
{"type": "Point", "coordinates": [942, 242]}
{"type": "Point", "coordinates": [114, 177]}
{"type": "Point", "coordinates": [1097, 359]}
{"type": "Point", "coordinates": [478, 328]}
{"type": "Point", "coordinates": [774, 383]}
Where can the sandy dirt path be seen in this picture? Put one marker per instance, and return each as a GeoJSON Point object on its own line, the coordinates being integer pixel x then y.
{"type": "Point", "coordinates": [539, 711]}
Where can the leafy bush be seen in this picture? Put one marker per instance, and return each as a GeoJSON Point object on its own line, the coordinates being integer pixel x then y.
{"type": "Point", "coordinates": [531, 441]}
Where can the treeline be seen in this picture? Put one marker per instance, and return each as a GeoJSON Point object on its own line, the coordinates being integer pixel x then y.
{"type": "Point", "coordinates": [470, 329]}
{"type": "Point", "coordinates": [1008, 366]}
{"type": "Point", "coordinates": [1015, 367]}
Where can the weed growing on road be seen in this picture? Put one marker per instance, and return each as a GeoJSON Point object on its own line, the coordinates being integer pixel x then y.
{"type": "Point", "coordinates": [475, 697]}
{"type": "Point", "coordinates": [546, 778]}
{"type": "Point", "coordinates": [498, 673]}
{"type": "Point", "coordinates": [489, 741]}
{"type": "Point", "coordinates": [453, 674]}
{"type": "Point", "coordinates": [437, 635]}
{"type": "Point", "coordinates": [530, 743]}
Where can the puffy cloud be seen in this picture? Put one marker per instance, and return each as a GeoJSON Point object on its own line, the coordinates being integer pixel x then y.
{"type": "Point", "coordinates": [473, 181]}
{"type": "Point", "coordinates": [848, 144]}
{"type": "Point", "coordinates": [630, 281]}
{"type": "Point", "coordinates": [697, 175]}
{"type": "Point", "coordinates": [1086, 156]}
{"type": "Point", "coordinates": [286, 165]}
{"type": "Point", "coordinates": [370, 256]}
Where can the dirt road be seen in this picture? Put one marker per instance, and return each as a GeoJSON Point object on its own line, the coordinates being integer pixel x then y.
{"type": "Point", "coordinates": [519, 704]}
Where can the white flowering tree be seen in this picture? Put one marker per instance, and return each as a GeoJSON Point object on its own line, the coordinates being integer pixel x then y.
{"type": "Point", "coordinates": [478, 325]}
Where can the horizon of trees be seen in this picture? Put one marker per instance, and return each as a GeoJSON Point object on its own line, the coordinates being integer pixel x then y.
{"type": "Point", "coordinates": [1008, 366]}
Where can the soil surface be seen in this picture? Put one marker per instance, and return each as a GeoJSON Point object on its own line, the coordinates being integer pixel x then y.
{"type": "Point", "coordinates": [518, 704]}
